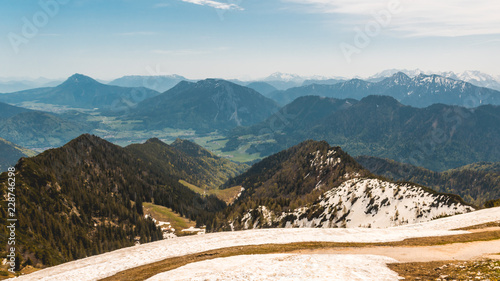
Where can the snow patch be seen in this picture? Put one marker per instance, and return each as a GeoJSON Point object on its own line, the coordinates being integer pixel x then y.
{"type": "Point", "coordinates": [105, 265]}
{"type": "Point", "coordinates": [362, 202]}
{"type": "Point", "coordinates": [285, 267]}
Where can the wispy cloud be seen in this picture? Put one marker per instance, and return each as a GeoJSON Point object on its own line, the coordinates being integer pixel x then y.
{"type": "Point", "coordinates": [447, 18]}
{"type": "Point", "coordinates": [162, 5]}
{"type": "Point", "coordinates": [215, 4]}
{"type": "Point", "coordinates": [487, 42]}
{"type": "Point", "coordinates": [189, 52]}
{"type": "Point", "coordinates": [137, 33]}
{"type": "Point", "coordinates": [51, 34]}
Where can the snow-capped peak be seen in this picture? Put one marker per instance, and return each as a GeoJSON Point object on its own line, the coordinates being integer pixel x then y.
{"type": "Point", "coordinates": [391, 72]}
{"type": "Point", "coordinates": [474, 77]}
{"type": "Point", "coordinates": [287, 77]}
{"type": "Point", "coordinates": [363, 202]}
{"type": "Point", "coordinates": [470, 76]}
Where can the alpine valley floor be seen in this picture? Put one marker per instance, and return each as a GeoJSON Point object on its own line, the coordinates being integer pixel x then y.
{"type": "Point", "coordinates": [296, 253]}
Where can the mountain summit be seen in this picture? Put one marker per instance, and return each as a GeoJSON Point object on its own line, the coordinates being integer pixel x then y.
{"type": "Point", "coordinates": [80, 91]}
{"type": "Point", "coordinates": [204, 106]}
{"type": "Point", "coordinates": [474, 77]}
{"type": "Point", "coordinates": [160, 83]}
{"type": "Point", "coordinates": [315, 185]}
{"type": "Point", "coordinates": [79, 79]}
{"type": "Point", "coordinates": [418, 91]}
{"type": "Point", "coordinates": [85, 197]}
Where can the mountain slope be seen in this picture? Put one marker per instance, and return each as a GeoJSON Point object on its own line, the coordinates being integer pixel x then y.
{"type": "Point", "coordinates": [16, 85]}
{"type": "Point", "coordinates": [86, 198]}
{"type": "Point", "coordinates": [80, 91]}
{"type": "Point", "coordinates": [36, 129]}
{"type": "Point", "coordinates": [354, 89]}
{"type": "Point", "coordinates": [438, 137]}
{"type": "Point", "coordinates": [315, 185]}
{"type": "Point", "coordinates": [10, 153]}
{"type": "Point", "coordinates": [482, 167]}
{"type": "Point", "coordinates": [262, 87]}
{"type": "Point", "coordinates": [159, 83]}
{"type": "Point", "coordinates": [189, 162]}
{"type": "Point", "coordinates": [7, 110]}
{"type": "Point", "coordinates": [204, 106]}
{"type": "Point", "coordinates": [419, 91]}
{"type": "Point", "coordinates": [331, 81]}
{"type": "Point", "coordinates": [476, 183]}
{"type": "Point", "coordinates": [300, 115]}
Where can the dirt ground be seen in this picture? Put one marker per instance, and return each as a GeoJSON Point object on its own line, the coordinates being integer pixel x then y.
{"type": "Point", "coordinates": [478, 260]}
{"type": "Point", "coordinates": [458, 251]}
{"type": "Point", "coordinates": [449, 270]}
{"type": "Point", "coordinates": [416, 255]}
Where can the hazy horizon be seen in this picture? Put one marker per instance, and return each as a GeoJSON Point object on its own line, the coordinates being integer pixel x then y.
{"type": "Point", "coordinates": [245, 78]}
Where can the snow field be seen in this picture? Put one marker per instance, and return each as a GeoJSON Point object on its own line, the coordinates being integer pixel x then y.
{"type": "Point", "coordinates": [285, 267]}
{"type": "Point", "coordinates": [104, 265]}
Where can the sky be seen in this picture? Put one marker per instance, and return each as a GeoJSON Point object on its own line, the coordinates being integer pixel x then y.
{"type": "Point", "coordinates": [246, 39]}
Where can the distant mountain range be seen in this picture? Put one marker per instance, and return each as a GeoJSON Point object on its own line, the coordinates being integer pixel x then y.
{"type": "Point", "coordinates": [323, 81]}
{"type": "Point", "coordinates": [204, 106]}
{"type": "Point", "coordinates": [438, 137]}
{"type": "Point", "coordinates": [316, 185]}
{"type": "Point", "coordinates": [477, 183]}
{"type": "Point", "coordinates": [167, 82]}
{"type": "Point", "coordinates": [85, 198]}
{"type": "Point", "coordinates": [15, 85]}
{"type": "Point", "coordinates": [420, 91]}
{"type": "Point", "coordinates": [214, 104]}
{"type": "Point", "coordinates": [476, 78]}
{"type": "Point", "coordinates": [10, 153]}
{"type": "Point", "coordinates": [83, 92]}
{"type": "Point", "coordinates": [283, 81]}
{"type": "Point", "coordinates": [160, 83]}
{"type": "Point", "coordinates": [262, 87]}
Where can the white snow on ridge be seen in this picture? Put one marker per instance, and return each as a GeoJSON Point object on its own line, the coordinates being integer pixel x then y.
{"type": "Point", "coordinates": [362, 202]}
{"type": "Point", "coordinates": [459, 221]}
{"type": "Point", "coordinates": [104, 265]}
{"type": "Point", "coordinates": [285, 267]}
{"type": "Point", "coordinates": [377, 203]}
{"type": "Point", "coordinates": [476, 78]}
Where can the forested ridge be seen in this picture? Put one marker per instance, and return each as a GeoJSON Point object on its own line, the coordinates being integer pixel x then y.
{"type": "Point", "coordinates": [439, 137]}
{"type": "Point", "coordinates": [85, 198]}
{"type": "Point", "coordinates": [289, 189]}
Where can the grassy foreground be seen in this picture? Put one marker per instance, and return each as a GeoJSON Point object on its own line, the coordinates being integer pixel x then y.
{"type": "Point", "coordinates": [165, 214]}
{"type": "Point", "coordinates": [448, 270]}
{"type": "Point", "coordinates": [227, 195]}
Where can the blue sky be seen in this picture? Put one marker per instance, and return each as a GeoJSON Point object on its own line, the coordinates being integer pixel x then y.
{"type": "Point", "coordinates": [246, 38]}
